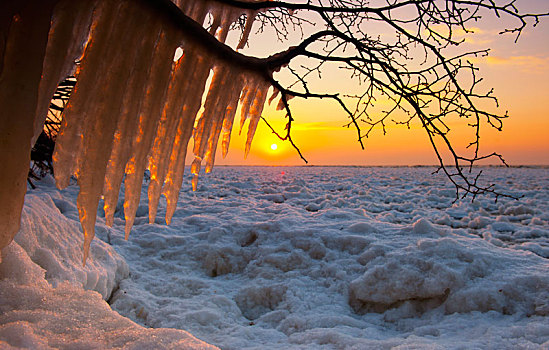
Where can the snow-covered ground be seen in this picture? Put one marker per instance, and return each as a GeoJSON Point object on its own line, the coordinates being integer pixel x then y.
{"type": "Point", "coordinates": [289, 257]}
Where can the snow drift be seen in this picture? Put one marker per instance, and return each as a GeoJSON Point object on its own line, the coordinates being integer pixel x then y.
{"type": "Point", "coordinates": [242, 270]}
{"type": "Point", "coordinates": [49, 300]}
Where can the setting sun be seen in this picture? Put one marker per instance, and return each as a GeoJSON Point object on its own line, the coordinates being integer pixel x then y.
{"type": "Point", "coordinates": [274, 146]}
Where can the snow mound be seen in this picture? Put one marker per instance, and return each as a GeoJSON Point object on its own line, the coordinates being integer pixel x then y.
{"type": "Point", "coordinates": [455, 274]}
{"type": "Point", "coordinates": [55, 243]}
{"type": "Point", "coordinates": [423, 226]}
{"type": "Point", "coordinates": [48, 300]}
{"type": "Point", "coordinates": [361, 227]}
{"type": "Point", "coordinates": [314, 247]}
{"type": "Point", "coordinates": [517, 210]}
{"type": "Point", "coordinates": [37, 316]}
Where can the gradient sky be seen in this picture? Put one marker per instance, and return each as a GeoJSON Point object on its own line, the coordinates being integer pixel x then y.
{"type": "Point", "coordinates": [518, 72]}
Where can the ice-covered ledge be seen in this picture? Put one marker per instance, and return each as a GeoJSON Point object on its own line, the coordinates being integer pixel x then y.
{"type": "Point", "coordinates": [49, 300]}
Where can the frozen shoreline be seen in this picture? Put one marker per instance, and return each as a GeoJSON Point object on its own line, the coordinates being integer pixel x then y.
{"type": "Point", "coordinates": [315, 257]}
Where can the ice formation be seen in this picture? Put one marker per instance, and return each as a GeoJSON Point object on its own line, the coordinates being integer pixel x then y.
{"type": "Point", "coordinates": [132, 106]}
{"type": "Point", "coordinates": [48, 300]}
{"type": "Point", "coordinates": [21, 56]}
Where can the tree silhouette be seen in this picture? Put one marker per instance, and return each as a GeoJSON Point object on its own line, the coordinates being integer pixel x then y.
{"type": "Point", "coordinates": [410, 68]}
{"type": "Point", "coordinates": [419, 68]}
{"type": "Point", "coordinates": [132, 105]}
{"type": "Point", "coordinates": [42, 151]}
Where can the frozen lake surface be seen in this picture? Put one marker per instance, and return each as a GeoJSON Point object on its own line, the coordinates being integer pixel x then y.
{"type": "Point", "coordinates": [328, 258]}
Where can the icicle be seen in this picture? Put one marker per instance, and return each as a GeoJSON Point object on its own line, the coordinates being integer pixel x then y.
{"type": "Point", "coordinates": [150, 113]}
{"type": "Point", "coordinates": [127, 128]}
{"type": "Point", "coordinates": [252, 106]}
{"type": "Point", "coordinates": [219, 93]}
{"type": "Point", "coordinates": [212, 117]}
{"type": "Point", "coordinates": [85, 94]}
{"type": "Point", "coordinates": [273, 95]}
{"type": "Point", "coordinates": [209, 157]}
{"type": "Point", "coordinates": [255, 114]}
{"type": "Point", "coordinates": [174, 176]}
{"type": "Point", "coordinates": [110, 123]}
{"type": "Point", "coordinates": [214, 111]}
{"type": "Point", "coordinates": [225, 119]}
{"type": "Point", "coordinates": [227, 19]}
{"type": "Point", "coordinates": [247, 100]}
{"type": "Point", "coordinates": [194, 182]}
{"type": "Point", "coordinates": [182, 4]}
{"type": "Point", "coordinates": [167, 123]}
{"type": "Point", "coordinates": [229, 116]}
{"type": "Point", "coordinates": [198, 10]}
{"type": "Point", "coordinates": [99, 130]}
{"type": "Point", "coordinates": [213, 100]}
{"type": "Point", "coordinates": [280, 106]}
{"type": "Point", "coordinates": [183, 73]}
{"type": "Point", "coordinates": [70, 28]}
{"type": "Point", "coordinates": [247, 30]}
{"type": "Point", "coordinates": [221, 101]}
{"type": "Point", "coordinates": [24, 35]}
{"type": "Point", "coordinates": [215, 25]}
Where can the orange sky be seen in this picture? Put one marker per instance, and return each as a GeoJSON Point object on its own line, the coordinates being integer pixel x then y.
{"type": "Point", "coordinates": [518, 72]}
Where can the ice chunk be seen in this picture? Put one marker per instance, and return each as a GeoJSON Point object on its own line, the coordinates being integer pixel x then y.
{"type": "Point", "coordinates": [423, 226]}
{"type": "Point", "coordinates": [51, 241]}
{"type": "Point", "coordinates": [458, 275]}
{"type": "Point", "coordinates": [51, 302]}
{"type": "Point", "coordinates": [361, 227]}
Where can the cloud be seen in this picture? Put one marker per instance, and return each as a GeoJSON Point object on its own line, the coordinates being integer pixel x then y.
{"type": "Point", "coordinates": [527, 62]}
{"type": "Point", "coordinates": [473, 35]}
{"type": "Point", "coordinates": [479, 40]}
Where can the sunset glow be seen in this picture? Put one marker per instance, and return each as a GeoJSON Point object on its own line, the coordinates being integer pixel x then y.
{"type": "Point", "coordinates": [518, 73]}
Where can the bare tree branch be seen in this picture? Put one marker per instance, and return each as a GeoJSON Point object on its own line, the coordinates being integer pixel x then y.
{"type": "Point", "coordinates": [430, 90]}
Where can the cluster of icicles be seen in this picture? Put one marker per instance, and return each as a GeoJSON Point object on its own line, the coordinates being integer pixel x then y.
{"type": "Point", "coordinates": [134, 107]}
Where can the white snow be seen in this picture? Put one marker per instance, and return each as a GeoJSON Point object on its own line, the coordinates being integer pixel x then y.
{"type": "Point", "coordinates": [292, 258]}
{"type": "Point", "coordinates": [49, 300]}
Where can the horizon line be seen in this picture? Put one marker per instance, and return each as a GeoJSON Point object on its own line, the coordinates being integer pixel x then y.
{"type": "Point", "coordinates": [380, 166]}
